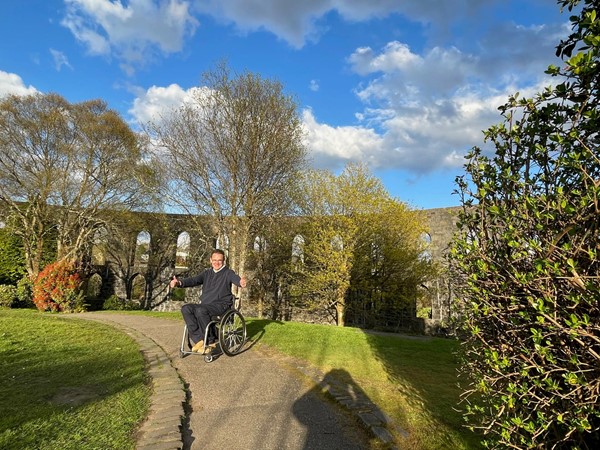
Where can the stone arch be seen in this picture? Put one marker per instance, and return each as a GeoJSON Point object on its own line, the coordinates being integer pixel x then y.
{"type": "Point", "coordinates": [138, 288]}
{"type": "Point", "coordinates": [222, 243]}
{"type": "Point", "coordinates": [425, 254]}
{"type": "Point", "coordinates": [376, 258]}
{"type": "Point", "coordinates": [337, 243]}
{"type": "Point", "coordinates": [93, 291]}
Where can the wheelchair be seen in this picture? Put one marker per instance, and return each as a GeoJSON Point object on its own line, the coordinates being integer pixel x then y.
{"type": "Point", "coordinates": [230, 329]}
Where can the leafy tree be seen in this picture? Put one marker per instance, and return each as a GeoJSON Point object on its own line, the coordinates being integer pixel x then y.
{"type": "Point", "coordinates": [12, 264]}
{"type": "Point", "coordinates": [390, 269]}
{"type": "Point", "coordinates": [231, 152]}
{"type": "Point", "coordinates": [270, 262]}
{"type": "Point", "coordinates": [345, 217]}
{"type": "Point", "coordinates": [117, 243]}
{"type": "Point", "coordinates": [526, 260]}
{"type": "Point", "coordinates": [8, 295]}
{"type": "Point", "coordinates": [62, 166]}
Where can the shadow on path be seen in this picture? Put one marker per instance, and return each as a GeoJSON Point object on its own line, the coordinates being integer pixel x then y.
{"type": "Point", "coordinates": [339, 385]}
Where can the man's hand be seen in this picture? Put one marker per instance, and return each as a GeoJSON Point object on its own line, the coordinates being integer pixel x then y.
{"type": "Point", "coordinates": [243, 281]}
{"type": "Point", "coordinates": [174, 282]}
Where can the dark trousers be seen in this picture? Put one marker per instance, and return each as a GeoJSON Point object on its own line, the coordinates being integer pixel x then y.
{"type": "Point", "coordinates": [198, 316]}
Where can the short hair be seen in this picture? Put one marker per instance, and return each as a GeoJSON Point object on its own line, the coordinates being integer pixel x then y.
{"type": "Point", "coordinates": [218, 251]}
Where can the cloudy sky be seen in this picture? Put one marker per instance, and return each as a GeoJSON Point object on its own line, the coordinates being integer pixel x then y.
{"type": "Point", "coordinates": [406, 86]}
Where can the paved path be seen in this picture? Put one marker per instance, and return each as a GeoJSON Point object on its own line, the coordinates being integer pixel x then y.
{"type": "Point", "coordinates": [254, 400]}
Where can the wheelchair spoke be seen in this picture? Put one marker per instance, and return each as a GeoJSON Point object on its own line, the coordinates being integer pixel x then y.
{"type": "Point", "coordinates": [232, 333]}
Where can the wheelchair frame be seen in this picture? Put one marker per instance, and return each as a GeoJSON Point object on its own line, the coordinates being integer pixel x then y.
{"type": "Point", "coordinates": [231, 332]}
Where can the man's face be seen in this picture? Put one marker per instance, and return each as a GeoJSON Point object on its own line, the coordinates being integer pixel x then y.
{"type": "Point", "coordinates": [217, 261]}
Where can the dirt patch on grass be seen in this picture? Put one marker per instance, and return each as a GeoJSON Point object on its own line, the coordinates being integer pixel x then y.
{"type": "Point", "coordinates": [76, 395]}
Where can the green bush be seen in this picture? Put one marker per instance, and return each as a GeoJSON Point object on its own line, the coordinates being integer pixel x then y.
{"type": "Point", "coordinates": [12, 261]}
{"type": "Point", "coordinates": [25, 293]}
{"type": "Point", "coordinates": [8, 295]}
{"type": "Point", "coordinates": [114, 303]}
{"type": "Point", "coordinates": [527, 264]}
{"type": "Point", "coordinates": [424, 313]}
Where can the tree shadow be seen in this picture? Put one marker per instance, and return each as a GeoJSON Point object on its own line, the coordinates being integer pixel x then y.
{"type": "Point", "coordinates": [255, 330]}
{"type": "Point", "coordinates": [365, 426]}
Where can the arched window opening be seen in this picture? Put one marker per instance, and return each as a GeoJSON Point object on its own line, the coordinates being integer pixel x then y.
{"type": "Point", "coordinates": [260, 244]}
{"type": "Point", "coordinates": [376, 259]}
{"type": "Point", "coordinates": [425, 254]}
{"type": "Point", "coordinates": [99, 245]}
{"type": "Point", "coordinates": [93, 291]}
{"type": "Point", "coordinates": [142, 248]}
{"type": "Point", "coordinates": [298, 249]}
{"type": "Point", "coordinates": [183, 251]}
{"type": "Point", "coordinates": [223, 244]}
{"type": "Point", "coordinates": [138, 288]}
{"type": "Point", "coordinates": [337, 243]}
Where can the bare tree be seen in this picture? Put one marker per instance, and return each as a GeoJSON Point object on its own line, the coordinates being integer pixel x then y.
{"type": "Point", "coordinates": [232, 152]}
{"type": "Point", "coordinates": [61, 166]}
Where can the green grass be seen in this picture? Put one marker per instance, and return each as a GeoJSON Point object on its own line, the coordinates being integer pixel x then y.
{"type": "Point", "coordinates": [68, 384]}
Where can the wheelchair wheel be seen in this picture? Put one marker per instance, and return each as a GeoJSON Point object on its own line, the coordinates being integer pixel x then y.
{"type": "Point", "coordinates": [232, 333]}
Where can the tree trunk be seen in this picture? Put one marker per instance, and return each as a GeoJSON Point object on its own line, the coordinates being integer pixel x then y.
{"type": "Point", "coordinates": [340, 309]}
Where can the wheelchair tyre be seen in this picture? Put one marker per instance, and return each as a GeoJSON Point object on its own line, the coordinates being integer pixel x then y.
{"type": "Point", "coordinates": [232, 333]}
{"type": "Point", "coordinates": [208, 358]}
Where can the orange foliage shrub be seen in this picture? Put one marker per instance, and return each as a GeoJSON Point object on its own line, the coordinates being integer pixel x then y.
{"type": "Point", "coordinates": [57, 288]}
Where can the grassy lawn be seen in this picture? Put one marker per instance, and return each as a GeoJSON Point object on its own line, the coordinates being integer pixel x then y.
{"type": "Point", "coordinates": [68, 384]}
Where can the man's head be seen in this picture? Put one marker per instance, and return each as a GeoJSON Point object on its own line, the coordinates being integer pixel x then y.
{"type": "Point", "coordinates": [217, 259]}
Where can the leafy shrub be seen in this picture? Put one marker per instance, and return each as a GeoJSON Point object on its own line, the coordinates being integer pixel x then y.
{"type": "Point", "coordinates": [527, 262]}
{"type": "Point", "coordinates": [424, 313]}
{"type": "Point", "coordinates": [12, 261]}
{"type": "Point", "coordinates": [57, 288]}
{"type": "Point", "coordinates": [8, 295]}
{"type": "Point", "coordinates": [114, 303]}
{"type": "Point", "coordinates": [25, 293]}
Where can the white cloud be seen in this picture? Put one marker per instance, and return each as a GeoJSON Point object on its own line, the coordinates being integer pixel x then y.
{"type": "Point", "coordinates": [297, 22]}
{"type": "Point", "coordinates": [11, 83]}
{"type": "Point", "coordinates": [157, 101]}
{"type": "Point", "coordinates": [333, 147]}
{"type": "Point", "coordinates": [134, 33]}
{"type": "Point", "coordinates": [60, 59]}
{"type": "Point", "coordinates": [421, 111]}
{"type": "Point", "coordinates": [429, 109]}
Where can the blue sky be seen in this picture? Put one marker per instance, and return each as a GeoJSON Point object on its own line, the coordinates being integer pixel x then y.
{"type": "Point", "coordinates": [406, 86]}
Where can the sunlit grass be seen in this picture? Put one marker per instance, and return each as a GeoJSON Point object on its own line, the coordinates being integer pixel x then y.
{"type": "Point", "coordinates": [68, 384]}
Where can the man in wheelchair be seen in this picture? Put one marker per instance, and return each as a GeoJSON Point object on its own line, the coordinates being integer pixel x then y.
{"type": "Point", "coordinates": [215, 300]}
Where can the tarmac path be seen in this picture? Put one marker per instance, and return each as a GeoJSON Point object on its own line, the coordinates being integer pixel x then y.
{"type": "Point", "coordinates": [254, 400]}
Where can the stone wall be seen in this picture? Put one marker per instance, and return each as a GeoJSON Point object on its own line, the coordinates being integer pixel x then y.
{"type": "Point", "coordinates": [442, 225]}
